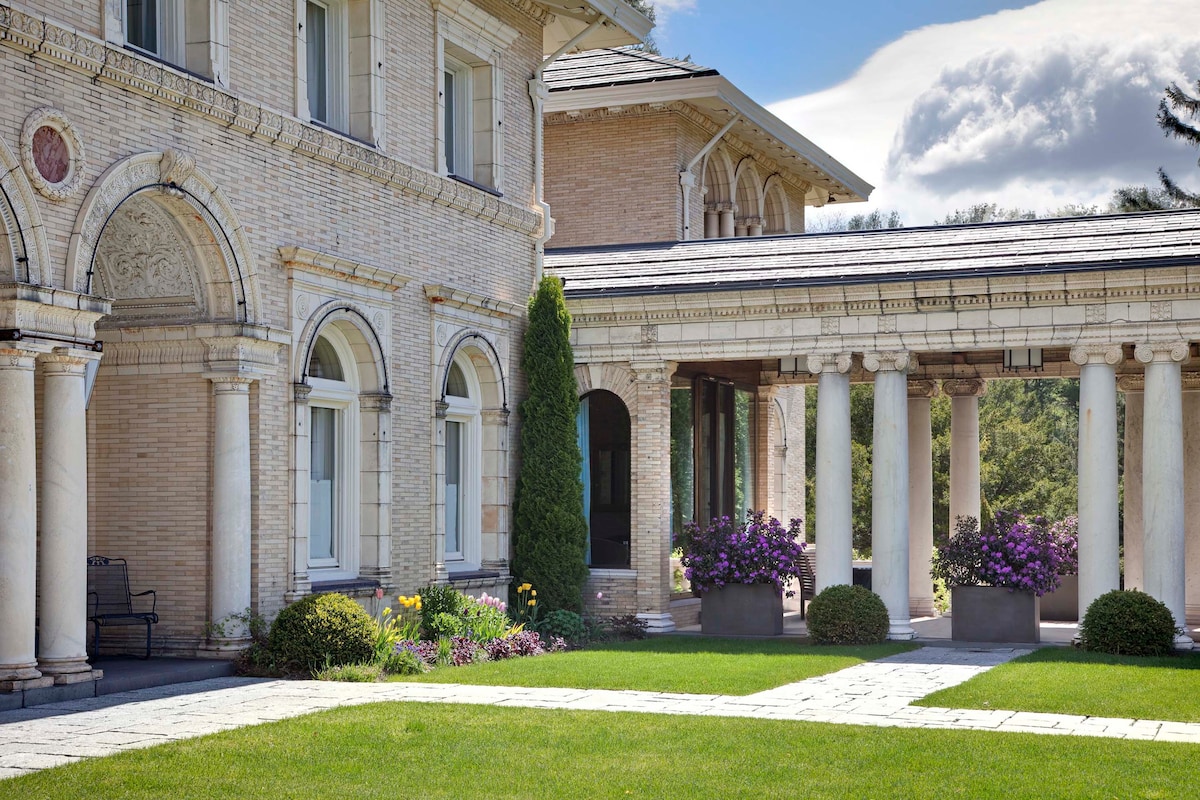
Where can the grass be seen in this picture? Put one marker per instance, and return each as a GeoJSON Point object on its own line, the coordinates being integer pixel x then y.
{"type": "Point", "coordinates": [1061, 681]}
{"type": "Point", "coordinates": [403, 750]}
{"type": "Point", "coordinates": [689, 664]}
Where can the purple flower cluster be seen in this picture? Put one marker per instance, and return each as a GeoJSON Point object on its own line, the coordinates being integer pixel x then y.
{"type": "Point", "coordinates": [760, 550]}
{"type": "Point", "coordinates": [465, 651]}
{"type": "Point", "coordinates": [1012, 551]}
{"type": "Point", "coordinates": [525, 643]}
{"type": "Point", "coordinates": [423, 649]}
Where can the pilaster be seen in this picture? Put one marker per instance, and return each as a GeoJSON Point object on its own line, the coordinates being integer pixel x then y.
{"type": "Point", "coordinates": [652, 492]}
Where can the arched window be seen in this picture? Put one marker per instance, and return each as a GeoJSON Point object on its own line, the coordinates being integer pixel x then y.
{"type": "Point", "coordinates": [604, 443]}
{"type": "Point", "coordinates": [461, 515]}
{"type": "Point", "coordinates": [333, 509]}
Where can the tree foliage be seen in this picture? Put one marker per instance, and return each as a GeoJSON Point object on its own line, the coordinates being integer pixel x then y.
{"type": "Point", "coordinates": [647, 8]}
{"type": "Point", "coordinates": [1175, 109]}
{"type": "Point", "coordinates": [878, 219]}
{"type": "Point", "coordinates": [549, 530]}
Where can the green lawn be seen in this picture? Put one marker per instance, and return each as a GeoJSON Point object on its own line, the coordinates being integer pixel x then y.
{"type": "Point", "coordinates": [689, 664]}
{"type": "Point", "coordinates": [1063, 681]}
{"type": "Point", "coordinates": [409, 750]}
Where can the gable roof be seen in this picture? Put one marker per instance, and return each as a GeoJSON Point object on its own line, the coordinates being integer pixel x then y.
{"type": "Point", "coordinates": [1076, 244]}
{"type": "Point", "coordinates": [617, 67]}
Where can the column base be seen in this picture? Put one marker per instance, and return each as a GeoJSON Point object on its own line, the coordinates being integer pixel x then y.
{"type": "Point", "coordinates": [223, 648]}
{"type": "Point", "coordinates": [77, 677]}
{"type": "Point", "coordinates": [25, 684]}
{"type": "Point", "coordinates": [899, 630]}
{"type": "Point", "coordinates": [658, 623]}
{"type": "Point", "coordinates": [67, 670]}
{"type": "Point", "coordinates": [15, 673]}
{"type": "Point", "coordinates": [1184, 642]}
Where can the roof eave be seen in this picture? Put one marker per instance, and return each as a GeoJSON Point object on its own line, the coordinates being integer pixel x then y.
{"type": "Point", "coordinates": [623, 26]}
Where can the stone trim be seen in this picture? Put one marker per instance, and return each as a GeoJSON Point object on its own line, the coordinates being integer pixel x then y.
{"type": "Point", "coordinates": [56, 120]}
{"type": "Point", "coordinates": [303, 259]}
{"type": "Point", "coordinates": [469, 301]}
{"type": "Point", "coordinates": [102, 61]}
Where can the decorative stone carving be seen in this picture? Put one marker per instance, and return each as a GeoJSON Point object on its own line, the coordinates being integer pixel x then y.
{"type": "Point", "coordinates": [143, 255]}
{"type": "Point", "coordinates": [652, 371]}
{"type": "Point", "coordinates": [887, 323]}
{"type": "Point", "coordinates": [829, 362]}
{"type": "Point", "coordinates": [176, 167]}
{"type": "Point", "coordinates": [649, 334]}
{"type": "Point", "coordinates": [1160, 311]}
{"type": "Point", "coordinates": [922, 388]}
{"type": "Point", "coordinates": [1131, 383]}
{"type": "Point", "coordinates": [1097, 314]}
{"type": "Point", "coordinates": [1149, 352]}
{"type": "Point", "coordinates": [52, 153]}
{"type": "Point", "coordinates": [964, 387]}
{"type": "Point", "coordinates": [888, 362]}
{"type": "Point", "coordinates": [830, 326]}
{"type": "Point", "coordinates": [1097, 352]}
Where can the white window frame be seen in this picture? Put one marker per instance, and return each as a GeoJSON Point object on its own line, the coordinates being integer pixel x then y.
{"type": "Point", "coordinates": [337, 64]}
{"type": "Point", "coordinates": [459, 149]}
{"type": "Point", "coordinates": [342, 396]}
{"type": "Point", "coordinates": [193, 35]}
{"type": "Point", "coordinates": [170, 33]}
{"type": "Point", "coordinates": [467, 412]}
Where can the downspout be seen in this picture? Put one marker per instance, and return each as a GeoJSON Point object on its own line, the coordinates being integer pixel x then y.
{"type": "Point", "coordinates": [687, 181]}
{"type": "Point", "coordinates": [538, 93]}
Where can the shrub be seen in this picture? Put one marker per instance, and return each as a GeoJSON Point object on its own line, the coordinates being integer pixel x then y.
{"type": "Point", "coordinates": [1012, 551]}
{"type": "Point", "coordinates": [564, 624]}
{"type": "Point", "coordinates": [403, 661]}
{"type": "Point", "coordinates": [628, 626]}
{"type": "Point", "coordinates": [847, 615]}
{"type": "Point", "coordinates": [323, 630]}
{"type": "Point", "coordinates": [483, 622]}
{"type": "Point", "coordinates": [350, 673]}
{"type": "Point", "coordinates": [440, 600]}
{"type": "Point", "coordinates": [443, 625]}
{"type": "Point", "coordinates": [1127, 623]}
{"type": "Point", "coordinates": [759, 550]}
{"type": "Point", "coordinates": [549, 531]}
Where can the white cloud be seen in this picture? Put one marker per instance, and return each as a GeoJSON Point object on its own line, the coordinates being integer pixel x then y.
{"type": "Point", "coordinates": [1035, 107]}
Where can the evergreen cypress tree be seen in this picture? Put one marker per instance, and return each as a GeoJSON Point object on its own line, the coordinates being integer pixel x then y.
{"type": "Point", "coordinates": [1177, 100]}
{"type": "Point", "coordinates": [549, 531]}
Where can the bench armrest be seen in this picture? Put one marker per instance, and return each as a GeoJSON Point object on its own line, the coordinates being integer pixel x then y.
{"type": "Point", "coordinates": [93, 603]}
{"type": "Point", "coordinates": [154, 604]}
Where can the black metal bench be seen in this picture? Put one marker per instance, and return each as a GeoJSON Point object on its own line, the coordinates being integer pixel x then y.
{"type": "Point", "coordinates": [808, 582]}
{"type": "Point", "coordinates": [111, 603]}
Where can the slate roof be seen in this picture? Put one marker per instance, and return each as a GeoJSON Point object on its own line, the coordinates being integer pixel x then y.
{"type": "Point", "coordinates": [1078, 244]}
{"type": "Point", "coordinates": [617, 67]}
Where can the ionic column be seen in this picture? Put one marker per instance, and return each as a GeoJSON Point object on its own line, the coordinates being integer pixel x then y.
{"type": "Point", "coordinates": [795, 485]}
{"type": "Point", "coordinates": [1162, 478]}
{"type": "Point", "coordinates": [725, 227]}
{"type": "Point", "coordinates": [651, 534]}
{"type": "Point", "coordinates": [964, 448]}
{"type": "Point", "coordinates": [1132, 386]}
{"type": "Point", "coordinates": [833, 513]}
{"type": "Point", "coordinates": [231, 518]}
{"type": "Point", "coordinates": [18, 522]}
{"type": "Point", "coordinates": [712, 223]}
{"type": "Point", "coordinates": [1099, 528]}
{"type": "Point", "coordinates": [62, 557]}
{"type": "Point", "coordinates": [889, 488]}
{"type": "Point", "coordinates": [1191, 509]}
{"type": "Point", "coordinates": [920, 498]}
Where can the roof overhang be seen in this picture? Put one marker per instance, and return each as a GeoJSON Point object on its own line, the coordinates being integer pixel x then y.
{"type": "Point", "coordinates": [623, 25]}
{"type": "Point", "coordinates": [720, 100]}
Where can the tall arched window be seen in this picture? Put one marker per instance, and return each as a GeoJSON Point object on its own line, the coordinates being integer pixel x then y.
{"type": "Point", "coordinates": [604, 443]}
{"type": "Point", "coordinates": [461, 515]}
{"type": "Point", "coordinates": [333, 509]}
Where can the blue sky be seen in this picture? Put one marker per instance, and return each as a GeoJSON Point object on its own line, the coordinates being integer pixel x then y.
{"type": "Point", "coordinates": [942, 104]}
{"type": "Point", "coordinates": [827, 41]}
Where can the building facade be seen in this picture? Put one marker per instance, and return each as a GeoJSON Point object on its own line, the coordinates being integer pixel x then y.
{"type": "Point", "coordinates": [262, 297]}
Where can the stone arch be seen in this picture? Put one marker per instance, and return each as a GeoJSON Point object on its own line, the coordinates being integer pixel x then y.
{"type": "Point", "coordinates": [777, 216]}
{"type": "Point", "coordinates": [24, 253]}
{"type": "Point", "coordinates": [748, 190]}
{"type": "Point", "coordinates": [365, 342]}
{"type": "Point", "coordinates": [171, 184]}
{"type": "Point", "coordinates": [488, 369]}
{"type": "Point", "coordinates": [609, 377]}
{"type": "Point", "coordinates": [718, 179]}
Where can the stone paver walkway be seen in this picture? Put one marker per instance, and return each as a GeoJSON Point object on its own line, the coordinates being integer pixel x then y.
{"type": "Point", "coordinates": [876, 693]}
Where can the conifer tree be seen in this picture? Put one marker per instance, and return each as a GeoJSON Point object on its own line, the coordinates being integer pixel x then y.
{"type": "Point", "coordinates": [549, 531]}
{"type": "Point", "coordinates": [1175, 103]}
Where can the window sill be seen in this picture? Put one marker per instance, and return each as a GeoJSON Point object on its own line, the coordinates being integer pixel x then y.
{"type": "Point", "coordinates": [474, 185]}
{"type": "Point", "coordinates": [351, 587]}
{"type": "Point", "coordinates": [617, 573]}
{"type": "Point", "coordinates": [157, 59]}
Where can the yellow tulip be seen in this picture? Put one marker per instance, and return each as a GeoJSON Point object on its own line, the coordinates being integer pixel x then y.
{"type": "Point", "coordinates": [387, 611]}
{"type": "Point", "coordinates": [533, 593]}
{"type": "Point", "coordinates": [533, 602]}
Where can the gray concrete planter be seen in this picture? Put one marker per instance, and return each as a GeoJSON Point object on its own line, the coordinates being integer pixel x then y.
{"type": "Point", "coordinates": [754, 609]}
{"type": "Point", "coordinates": [993, 614]}
{"type": "Point", "coordinates": [1062, 605]}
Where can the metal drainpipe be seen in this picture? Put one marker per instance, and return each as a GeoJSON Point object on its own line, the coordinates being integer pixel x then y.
{"type": "Point", "coordinates": [538, 94]}
{"type": "Point", "coordinates": [687, 180]}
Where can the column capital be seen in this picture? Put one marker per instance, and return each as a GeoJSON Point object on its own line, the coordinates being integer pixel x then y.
{"type": "Point", "coordinates": [301, 391]}
{"type": "Point", "coordinates": [829, 362]}
{"type": "Point", "coordinates": [375, 401]}
{"type": "Point", "coordinates": [964, 387]}
{"type": "Point", "coordinates": [13, 356]}
{"type": "Point", "coordinates": [652, 371]}
{"type": "Point", "coordinates": [494, 416]}
{"type": "Point", "coordinates": [1097, 353]}
{"type": "Point", "coordinates": [922, 388]}
{"type": "Point", "coordinates": [1162, 352]}
{"type": "Point", "coordinates": [1131, 383]}
{"type": "Point", "coordinates": [895, 361]}
{"type": "Point", "coordinates": [230, 384]}
{"type": "Point", "coordinates": [66, 361]}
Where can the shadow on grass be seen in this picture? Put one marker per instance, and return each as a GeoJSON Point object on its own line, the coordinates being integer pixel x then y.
{"type": "Point", "coordinates": [1065, 655]}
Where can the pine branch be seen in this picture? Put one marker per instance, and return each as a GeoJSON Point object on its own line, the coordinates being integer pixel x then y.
{"type": "Point", "coordinates": [1181, 100]}
{"type": "Point", "coordinates": [1182, 197]}
{"type": "Point", "coordinates": [1172, 125]}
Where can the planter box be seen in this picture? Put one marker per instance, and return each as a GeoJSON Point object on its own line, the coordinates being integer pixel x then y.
{"type": "Point", "coordinates": [1062, 605]}
{"type": "Point", "coordinates": [742, 610]}
{"type": "Point", "coordinates": [993, 614]}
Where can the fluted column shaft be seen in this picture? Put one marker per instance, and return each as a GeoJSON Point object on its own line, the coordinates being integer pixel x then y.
{"type": "Point", "coordinates": [889, 489]}
{"type": "Point", "coordinates": [834, 503]}
{"type": "Point", "coordinates": [920, 498]}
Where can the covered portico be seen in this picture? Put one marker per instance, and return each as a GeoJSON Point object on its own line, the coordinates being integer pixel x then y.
{"type": "Point", "coordinates": [1114, 301]}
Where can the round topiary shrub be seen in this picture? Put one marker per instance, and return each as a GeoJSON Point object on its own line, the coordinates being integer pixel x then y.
{"type": "Point", "coordinates": [1127, 623]}
{"type": "Point", "coordinates": [323, 630]}
{"type": "Point", "coordinates": [847, 615]}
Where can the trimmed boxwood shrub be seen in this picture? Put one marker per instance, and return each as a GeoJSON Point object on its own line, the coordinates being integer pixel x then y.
{"type": "Point", "coordinates": [847, 615]}
{"type": "Point", "coordinates": [323, 630]}
{"type": "Point", "coordinates": [1128, 623]}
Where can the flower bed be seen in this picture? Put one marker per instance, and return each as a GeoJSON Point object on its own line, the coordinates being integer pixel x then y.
{"type": "Point", "coordinates": [760, 550]}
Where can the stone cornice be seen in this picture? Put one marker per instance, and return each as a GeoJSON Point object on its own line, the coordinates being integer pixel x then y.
{"type": "Point", "coordinates": [53, 313]}
{"type": "Point", "coordinates": [118, 66]}
{"type": "Point", "coordinates": [313, 261]}
{"type": "Point", "coordinates": [534, 11]}
{"type": "Point", "coordinates": [469, 301]}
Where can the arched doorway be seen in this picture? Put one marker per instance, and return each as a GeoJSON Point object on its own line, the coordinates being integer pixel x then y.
{"type": "Point", "coordinates": [604, 442]}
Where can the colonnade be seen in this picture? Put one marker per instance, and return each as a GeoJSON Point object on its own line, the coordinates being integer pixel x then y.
{"type": "Point", "coordinates": [902, 492]}
{"type": "Point", "coordinates": [43, 589]}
